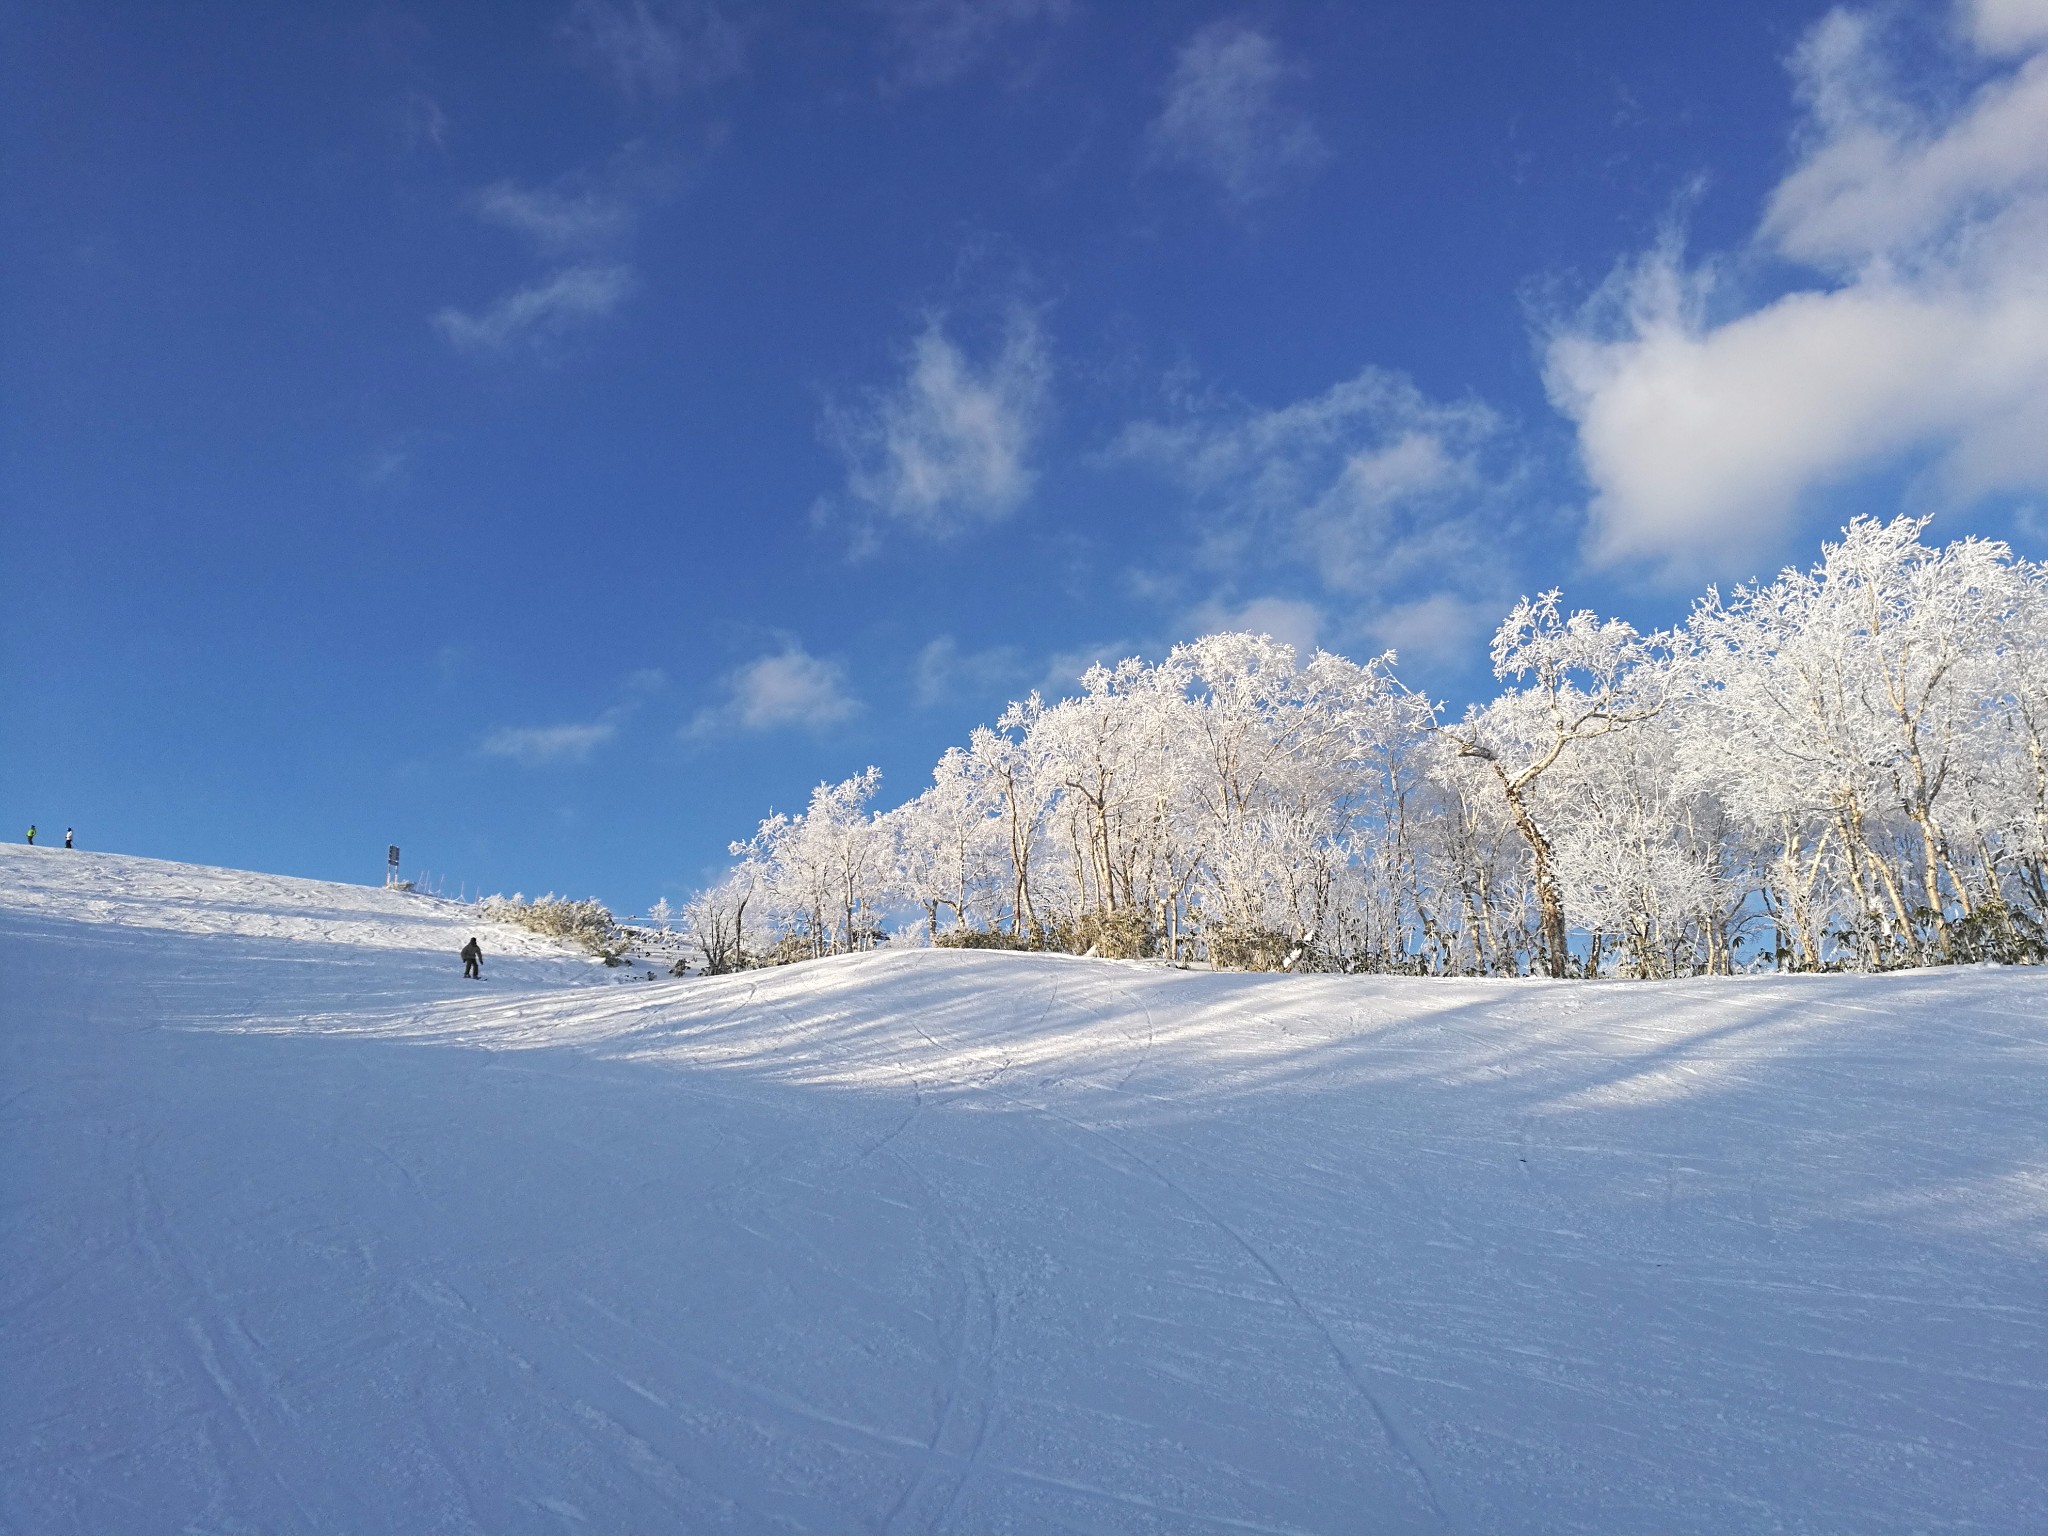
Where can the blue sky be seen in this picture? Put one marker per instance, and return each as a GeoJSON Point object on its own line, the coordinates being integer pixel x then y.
{"type": "Point", "coordinates": [548, 437]}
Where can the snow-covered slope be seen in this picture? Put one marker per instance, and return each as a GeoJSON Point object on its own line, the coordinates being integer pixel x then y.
{"type": "Point", "coordinates": [301, 1232]}
{"type": "Point", "coordinates": [404, 934]}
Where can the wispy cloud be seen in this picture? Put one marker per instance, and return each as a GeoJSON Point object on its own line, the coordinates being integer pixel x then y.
{"type": "Point", "coordinates": [571, 215]}
{"type": "Point", "coordinates": [655, 49]}
{"type": "Point", "coordinates": [540, 312]}
{"type": "Point", "coordinates": [453, 662]}
{"type": "Point", "coordinates": [1227, 115]}
{"type": "Point", "coordinates": [571, 742]}
{"type": "Point", "coordinates": [940, 40]}
{"type": "Point", "coordinates": [539, 745]}
{"type": "Point", "coordinates": [950, 444]}
{"type": "Point", "coordinates": [941, 671]}
{"type": "Point", "coordinates": [580, 224]}
{"type": "Point", "coordinates": [1920, 332]}
{"type": "Point", "coordinates": [1368, 485]}
{"type": "Point", "coordinates": [645, 680]}
{"type": "Point", "coordinates": [1367, 514]}
{"type": "Point", "coordinates": [387, 467]}
{"type": "Point", "coordinates": [785, 689]}
{"type": "Point", "coordinates": [419, 122]}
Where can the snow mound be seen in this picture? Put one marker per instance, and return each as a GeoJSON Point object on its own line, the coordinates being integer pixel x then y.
{"type": "Point", "coordinates": [303, 1232]}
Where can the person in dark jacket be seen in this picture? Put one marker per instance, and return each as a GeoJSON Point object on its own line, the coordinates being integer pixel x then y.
{"type": "Point", "coordinates": [473, 960]}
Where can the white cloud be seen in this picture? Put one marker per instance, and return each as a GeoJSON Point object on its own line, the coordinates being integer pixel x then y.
{"type": "Point", "coordinates": [1289, 620]}
{"type": "Point", "coordinates": [2008, 26]}
{"type": "Point", "coordinates": [420, 122]}
{"type": "Point", "coordinates": [1064, 669]}
{"type": "Point", "coordinates": [540, 312]}
{"type": "Point", "coordinates": [1370, 484]}
{"type": "Point", "coordinates": [1439, 630]}
{"type": "Point", "coordinates": [1926, 336]}
{"type": "Point", "coordinates": [1225, 114]}
{"type": "Point", "coordinates": [580, 224]}
{"type": "Point", "coordinates": [536, 745]}
{"type": "Point", "coordinates": [574, 214]}
{"type": "Point", "coordinates": [940, 40]}
{"type": "Point", "coordinates": [951, 444]}
{"type": "Point", "coordinates": [655, 49]}
{"type": "Point", "coordinates": [787, 688]}
{"type": "Point", "coordinates": [942, 671]}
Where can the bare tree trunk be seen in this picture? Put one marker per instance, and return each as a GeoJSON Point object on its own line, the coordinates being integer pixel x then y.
{"type": "Point", "coordinates": [1934, 850]}
{"type": "Point", "coordinates": [1482, 959]}
{"type": "Point", "coordinates": [1854, 841]}
{"type": "Point", "coordinates": [1022, 918]}
{"type": "Point", "coordinates": [1549, 899]}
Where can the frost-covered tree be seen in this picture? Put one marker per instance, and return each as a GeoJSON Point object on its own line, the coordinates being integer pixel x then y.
{"type": "Point", "coordinates": [1581, 679]}
{"type": "Point", "coordinates": [1014, 780]}
{"type": "Point", "coordinates": [824, 874]}
{"type": "Point", "coordinates": [1850, 761]}
{"type": "Point", "coordinates": [1847, 707]}
{"type": "Point", "coordinates": [946, 847]}
{"type": "Point", "coordinates": [1645, 860]}
{"type": "Point", "coordinates": [724, 920]}
{"type": "Point", "coordinates": [1288, 762]}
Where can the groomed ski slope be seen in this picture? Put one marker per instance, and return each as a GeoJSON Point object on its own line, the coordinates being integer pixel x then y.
{"type": "Point", "coordinates": [301, 1232]}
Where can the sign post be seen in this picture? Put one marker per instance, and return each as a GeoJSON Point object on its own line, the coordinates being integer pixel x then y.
{"type": "Point", "coordinates": [391, 866]}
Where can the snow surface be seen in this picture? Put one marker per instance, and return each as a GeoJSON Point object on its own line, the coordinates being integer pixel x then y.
{"type": "Point", "coordinates": [301, 1232]}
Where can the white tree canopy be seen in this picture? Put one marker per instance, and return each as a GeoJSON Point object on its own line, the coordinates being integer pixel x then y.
{"type": "Point", "coordinates": [1844, 766]}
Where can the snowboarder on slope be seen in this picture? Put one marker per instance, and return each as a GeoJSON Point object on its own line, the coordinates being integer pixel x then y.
{"type": "Point", "coordinates": [31, 834]}
{"type": "Point", "coordinates": [473, 960]}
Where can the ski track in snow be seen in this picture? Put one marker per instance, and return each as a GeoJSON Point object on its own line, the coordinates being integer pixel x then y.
{"type": "Point", "coordinates": [302, 1232]}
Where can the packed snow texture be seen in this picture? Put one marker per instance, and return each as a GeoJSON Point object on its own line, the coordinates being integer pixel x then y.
{"type": "Point", "coordinates": [302, 1232]}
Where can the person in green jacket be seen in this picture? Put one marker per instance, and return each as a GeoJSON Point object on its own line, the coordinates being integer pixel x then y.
{"type": "Point", "coordinates": [31, 834]}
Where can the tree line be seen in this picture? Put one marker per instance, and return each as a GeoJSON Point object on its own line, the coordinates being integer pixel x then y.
{"type": "Point", "coordinates": [1842, 768]}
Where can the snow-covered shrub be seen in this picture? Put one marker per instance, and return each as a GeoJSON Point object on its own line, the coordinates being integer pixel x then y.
{"type": "Point", "coordinates": [1253, 949]}
{"type": "Point", "coordinates": [587, 923]}
{"type": "Point", "coordinates": [981, 938]}
{"type": "Point", "coordinates": [1122, 934]}
{"type": "Point", "coordinates": [2000, 933]}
